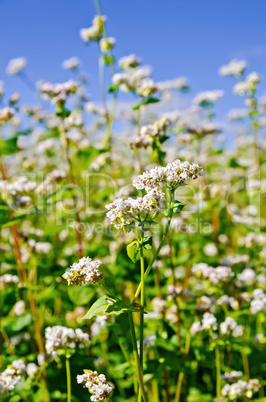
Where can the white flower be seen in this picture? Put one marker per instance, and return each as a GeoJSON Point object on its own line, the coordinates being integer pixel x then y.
{"type": "Point", "coordinates": [15, 66]}
{"type": "Point", "coordinates": [172, 175]}
{"type": "Point", "coordinates": [130, 61]}
{"type": "Point", "coordinates": [32, 369]}
{"type": "Point", "coordinates": [85, 271]}
{"type": "Point", "coordinates": [209, 321]}
{"type": "Point", "coordinates": [59, 338]}
{"type": "Point", "coordinates": [19, 308]}
{"type": "Point", "coordinates": [8, 279]}
{"type": "Point", "coordinates": [210, 249]}
{"type": "Point", "coordinates": [125, 212]}
{"type": "Point", "coordinates": [96, 385]}
{"type": "Point", "coordinates": [246, 277]}
{"type": "Point", "coordinates": [95, 31]}
{"type": "Point", "coordinates": [71, 64]}
{"type": "Point", "coordinates": [6, 114]}
{"type": "Point", "coordinates": [229, 326]}
{"type": "Point", "coordinates": [11, 376]}
{"type": "Point", "coordinates": [235, 68]}
{"type": "Point", "coordinates": [106, 44]}
{"type": "Point", "coordinates": [208, 97]}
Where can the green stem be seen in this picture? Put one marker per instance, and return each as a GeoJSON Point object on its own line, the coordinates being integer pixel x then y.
{"type": "Point", "coordinates": [141, 337]}
{"type": "Point", "coordinates": [68, 374]}
{"type": "Point", "coordinates": [136, 356]}
{"type": "Point", "coordinates": [159, 247]}
{"type": "Point", "coordinates": [218, 373]}
{"type": "Point", "coordinates": [181, 374]}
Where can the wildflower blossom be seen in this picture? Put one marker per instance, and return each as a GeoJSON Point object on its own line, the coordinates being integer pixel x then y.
{"type": "Point", "coordinates": [259, 301]}
{"type": "Point", "coordinates": [15, 66]}
{"type": "Point", "coordinates": [60, 338]}
{"type": "Point", "coordinates": [106, 44]}
{"type": "Point", "coordinates": [7, 279]}
{"type": "Point", "coordinates": [11, 376]}
{"type": "Point", "coordinates": [230, 326]}
{"type": "Point", "coordinates": [32, 369]}
{"type": "Point", "coordinates": [235, 68]}
{"type": "Point", "coordinates": [241, 389]}
{"type": "Point", "coordinates": [148, 133]}
{"type": "Point", "coordinates": [174, 174]}
{"type": "Point", "coordinates": [125, 212]}
{"type": "Point", "coordinates": [57, 92]}
{"type": "Point", "coordinates": [96, 385]}
{"type": "Point", "coordinates": [85, 271]}
{"type": "Point", "coordinates": [71, 64]}
{"type": "Point", "coordinates": [215, 275]}
{"type": "Point", "coordinates": [6, 114]}
{"type": "Point", "coordinates": [19, 308]}
{"type": "Point", "coordinates": [232, 376]}
{"type": "Point", "coordinates": [130, 61]}
{"type": "Point", "coordinates": [208, 322]}
{"type": "Point", "coordinates": [177, 83]}
{"type": "Point", "coordinates": [95, 31]}
{"type": "Point", "coordinates": [208, 98]}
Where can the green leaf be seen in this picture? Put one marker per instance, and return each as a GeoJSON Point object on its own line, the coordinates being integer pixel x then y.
{"type": "Point", "coordinates": [9, 146]}
{"type": "Point", "coordinates": [113, 88]}
{"type": "Point", "coordinates": [106, 305]}
{"type": "Point", "coordinates": [147, 243]}
{"type": "Point", "coordinates": [87, 155]}
{"type": "Point", "coordinates": [7, 222]}
{"type": "Point", "coordinates": [132, 250]}
{"type": "Point", "coordinates": [178, 207]}
{"type": "Point", "coordinates": [146, 101]}
{"type": "Point", "coordinates": [80, 295]}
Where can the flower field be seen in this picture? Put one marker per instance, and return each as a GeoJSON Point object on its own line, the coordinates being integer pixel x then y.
{"type": "Point", "coordinates": [132, 235]}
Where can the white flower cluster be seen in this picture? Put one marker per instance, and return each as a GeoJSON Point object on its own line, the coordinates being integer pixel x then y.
{"type": "Point", "coordinates": [241, 389]}
{"type": "Point", "coordinates": [57, 93]}
{"type": "Point", "coordinates": [247, 86]}
{"type": "Point", "coordinates": [40, 247]}
{"type": "Point", "coordinates": [85, 271]}
{"type": "Point", "coordinates": [15, 66]}
{"type": "Point", "coordinates": [177, 83]}
{"type": "Point", "coordinates": [229, 326]}
{"type": "Point", "coordinates": [149, 132]}
{"type": "Point", "coordinates": [95, 31]}
{"type": "Point", "coordinates": [208, 322]}
{"type": "Point", "coordinates": [71, 64]}
{"type": "Point", "coordinates": [7, 279]}
{"type": "Point", "coordinates": [22, 185]}
{"type": "Point", "coordinates": [214, 275]}
{"type": "Point", "coordinates": [54, 176]}
{"type": "Point", "coordinates": [19, 308]}
{"type": "Point", "coordinates": [96, 385]}
{"type": "Point", "coordinates": [208, 97]}
{"type": "Point", "coordinates": [107, 44]}
{"type": "Point", "coordinates": [174, 174]}
{"type": "Point", "coordinates": [32, 369]}
{"type": "Point", "coordinates": [259, 301]}
{"type": "Point", "coordinates": [232, 377]}
{"type": "Point", "coordinates": [136, 80]}
{"type": "Point", "coordinates": [205, 303]}
{"type": "Point", "coordinates": [203, 128]}
{"type": "Point", "coordinates": [11, 376]}
{"type": "Point", "coordinates": [235, 68]}
{"type": "Point", "coordinates": [6, 114]}
{"type": "Point", "coordinates": [125, 212]}
{"type": "Point", "coordinates": [59, 338]}
{"type": "Point", "coordinates": [246, 278]}
{"type": "Point", "coordinates": [130, 61]}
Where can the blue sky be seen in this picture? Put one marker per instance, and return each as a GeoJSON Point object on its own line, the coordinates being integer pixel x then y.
{"type": "Point", "coordinates": [191, 38]}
